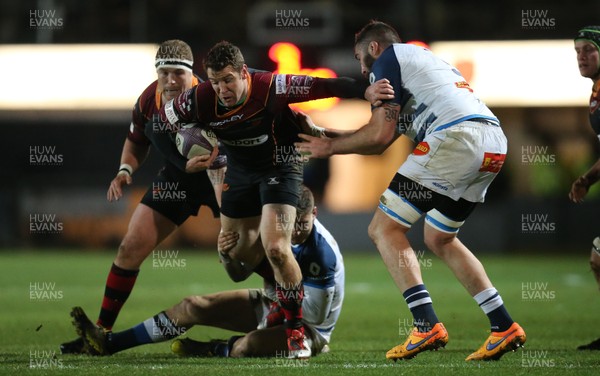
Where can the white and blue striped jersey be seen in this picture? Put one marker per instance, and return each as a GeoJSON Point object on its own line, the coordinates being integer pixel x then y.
{"type": "Point", "coordinates": [322, 269]}
{"type": "Point", "coordinates": [432, 94]}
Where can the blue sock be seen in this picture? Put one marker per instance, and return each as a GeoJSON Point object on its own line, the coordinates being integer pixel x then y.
{"type": "Point", "coordinates": [492, 305]}
{"type": "Point", "coordinates": [156, 329]}
{"type": "Point", "coordinates": [421, 306]}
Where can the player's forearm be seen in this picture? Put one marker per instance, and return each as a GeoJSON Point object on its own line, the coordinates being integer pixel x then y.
{"type": "Point", "coordinates": [372, 138]}
{"type": "Point", "coordinates": [341, 87]}
{"type": "Point", "coordinates": [333, 133]}
{"type": "Point", "coordinates": [236, 270]}
{"type": "Point", "coordinates": [133, 154]}
{"type": "Point", "coordinates": [359, 142]}
{"type": "Point", "coordinates": [180, 110]}
{"type": "Point", "coordinates": [593, 174]}
{"type": "Point", "coordinates": [162, 141]}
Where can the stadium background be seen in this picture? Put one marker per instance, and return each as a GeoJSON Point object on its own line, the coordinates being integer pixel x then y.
{"type": "Point", "coordinates": [527, 208]}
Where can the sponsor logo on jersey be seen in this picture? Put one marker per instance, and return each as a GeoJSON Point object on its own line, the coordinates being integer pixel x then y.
{"type": "Point", "coordinates": [281, 84]}
{"type": "Point", "coordinates": [492, 162]}
{"type": "Point", "coordinates": [216, 124]}
{"type": "Point", "coordinates": [463, 85]}
{"type": "Point", "coordinates": [273, 180]}
{"type": "Point", "coordinates": [170, 112]}
{"type": "Point", "coordinates": [247, 141]}
{"type": "Point", "coordinates": [421, 149]}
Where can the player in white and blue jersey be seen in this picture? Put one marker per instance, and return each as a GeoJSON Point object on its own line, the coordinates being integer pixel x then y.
{"type": "Point", "coordinates": [254, 312]}
{"type": "Point", "coordinates": [459, 150]}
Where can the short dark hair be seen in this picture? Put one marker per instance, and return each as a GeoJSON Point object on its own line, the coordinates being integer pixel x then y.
{"type": "Point", "coordinates": [306, 203]}
{"type": "Point", "coordinates": [222, 55]}
{"type": "Point", "coordinates": [379, 32]}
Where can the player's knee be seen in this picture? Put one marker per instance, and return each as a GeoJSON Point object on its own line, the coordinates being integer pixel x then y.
{"type": "Point", "coordinates": [196, 307]}
{"type": "Point", "coordinates": [438, 242]}
{"type": "Point", "coordinates": [130, 254]}
{"type": "Point", "coordinates": [277, 253]}
{"type": "Point", "coordinates": [243, 347]}
{"type": "Point", "coordinates": [376, 229]}
{"type": "Point", "coordinates": [373, 231]}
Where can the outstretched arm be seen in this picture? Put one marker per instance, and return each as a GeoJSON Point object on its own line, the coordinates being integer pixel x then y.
{"type": "Point", "coordinates": [372, 138]}
{"type": "Point", "coordinates": [376, 93]}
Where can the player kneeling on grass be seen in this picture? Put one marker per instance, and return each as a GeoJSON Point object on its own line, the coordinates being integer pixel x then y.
{"type": "Point", "coordinates": [251, 311]}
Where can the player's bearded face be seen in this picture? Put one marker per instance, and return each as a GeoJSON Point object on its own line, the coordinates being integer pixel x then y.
{"type": "Point", "coordinates": [230, 86]}
{"type": "Point", "coordinates": [588, 58]}
{"type": "Point", "coordinates": [173, 81]}
{"type": "Point", "coordinates": [366, 60]}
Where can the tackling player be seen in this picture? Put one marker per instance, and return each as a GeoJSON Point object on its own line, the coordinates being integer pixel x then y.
{"type": "Point", "coordinates": [264, 173]}
{"type": "Point", "coordinates": [155, 218]}
{"type": "Point", "coordinates": [587, 47]}
{"type": "Point", "coordinates": [460, 149]}
{"type": "Point", "coordinates": [322, 268]}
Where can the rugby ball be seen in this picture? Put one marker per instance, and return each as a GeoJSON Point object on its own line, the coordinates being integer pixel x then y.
{"type": "Point", "coordinates": [192, 141]}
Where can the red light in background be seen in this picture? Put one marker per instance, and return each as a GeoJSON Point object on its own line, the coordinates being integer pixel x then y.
{"type": "Point", "coordinates": [288, 59]}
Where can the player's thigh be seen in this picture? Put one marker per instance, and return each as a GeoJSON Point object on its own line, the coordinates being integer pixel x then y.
{"type": "Point", "coordinates": [383, 224]}
{"type": "Point", "coordinates": [443, 222]}
{"type": "Point", "coordinates": [232, 310]}
{"type": "Point", "coordinates": [241, 194]}
{"type": "Point", "coordinates": [276, 225]}
{"type": "Point", "coordinates": [147, 228]}
{"type": "Point", "coordinates": [281, 186]}
{"type": "Point", "coordinates": [279, 192]}
{"type": "Point", "coordinates": [403, 202]}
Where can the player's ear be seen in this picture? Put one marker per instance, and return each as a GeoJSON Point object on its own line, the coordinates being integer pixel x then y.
{"type": "Point", "coordinates": [314, 211]}
{"type": "Point", "coordinates": [373, 48]}
{"type": "Point", "coordinates": [244, 73]}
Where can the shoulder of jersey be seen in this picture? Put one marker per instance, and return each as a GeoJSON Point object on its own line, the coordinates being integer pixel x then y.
{"type": "Point", "coordinates": [147, 96]}
{"type": "Point", "coordinates": [200, 80]}
{"type": "Point", "coordinates": [262, 76]}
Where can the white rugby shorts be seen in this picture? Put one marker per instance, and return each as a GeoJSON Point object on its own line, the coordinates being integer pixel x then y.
{"type": "Point", "coordinates": [458, 162]}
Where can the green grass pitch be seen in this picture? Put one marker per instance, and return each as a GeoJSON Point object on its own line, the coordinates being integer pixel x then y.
{"type": "Point", "coordinates": [553, 297]}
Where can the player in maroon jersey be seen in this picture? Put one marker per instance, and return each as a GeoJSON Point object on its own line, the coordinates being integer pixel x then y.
{"type": "Point", "coordinates": [587, 47]}
{"type": "Point", "coordinates": [262, 184]}
{"type": "Point", "coordinates": [158, 215]}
